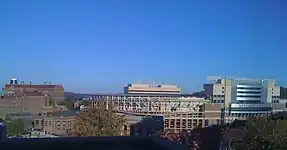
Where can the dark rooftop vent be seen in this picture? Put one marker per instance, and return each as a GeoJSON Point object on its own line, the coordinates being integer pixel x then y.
{"type": "Point", "coordinates": [14, 81]}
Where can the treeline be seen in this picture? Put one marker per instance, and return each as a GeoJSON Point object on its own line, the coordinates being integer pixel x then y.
{"type": "Point", "coordinates": [256, 133]}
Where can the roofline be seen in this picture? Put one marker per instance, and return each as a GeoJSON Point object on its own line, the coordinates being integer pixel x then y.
{"type": "Point", "coordinates": [147, 94]}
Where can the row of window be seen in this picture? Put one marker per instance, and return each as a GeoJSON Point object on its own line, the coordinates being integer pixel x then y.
{"type": "Point", "coordinates": [49, 123]}
{"type": "Point", "coordinates": [249, 88]}
{"type": "Point", "coordinates": [249, 92]}
{"type": "Point", "coordinates": [178, 123]}
{"type": "Point", "coordinates": [253, 96]}
{"type": "Point", "coordinates": [250, 102]}
{"type": "Point", "coordinates": [250, 96]}
{"type": "Point", "coordinates": [130, 91]}
{"type": "Point", "coordinates": [217, 101]}
{"type": "Point", "coordinates": [218, 96]}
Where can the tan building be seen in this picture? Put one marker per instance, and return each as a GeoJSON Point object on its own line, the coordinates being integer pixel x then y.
{"type": "Point", "coordinates": [209, 114]}
{"type": "Point", "coordinates": [56, 123]}
{"type": "Point", "coordinates": [152, 89]}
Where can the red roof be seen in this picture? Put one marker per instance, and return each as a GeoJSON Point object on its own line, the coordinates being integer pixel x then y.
{"type": "Point", "coordinates": [33, 86]}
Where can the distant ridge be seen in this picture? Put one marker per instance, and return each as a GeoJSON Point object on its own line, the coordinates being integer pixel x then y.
{"type": "Point", "coordinates": [72, 95]}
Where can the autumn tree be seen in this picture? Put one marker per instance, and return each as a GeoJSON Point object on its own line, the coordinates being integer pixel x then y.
{"type": "Point", "coordinates": [98, 121]}
{"type": "Point", "coordinates": [259, 133]}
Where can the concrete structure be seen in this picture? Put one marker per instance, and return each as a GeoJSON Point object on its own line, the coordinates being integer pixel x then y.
{"type": "Point", "coordinates": [177, 113]}
{"type": "Point", "coordinates": [56, 91]}
{"type": "Point", "coordinates": [241, 97]}
{"type": "Point", "coordinates": [151, 89]}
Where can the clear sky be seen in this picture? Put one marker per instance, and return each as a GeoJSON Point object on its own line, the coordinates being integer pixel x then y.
{"type": "Point", "coordinates": [96, 46]}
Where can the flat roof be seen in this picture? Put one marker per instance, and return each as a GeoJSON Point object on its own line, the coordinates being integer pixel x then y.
{"type": "Point", "coordinates": [62, 113]}
{"type": "Point", "coordinates": [142, 94]}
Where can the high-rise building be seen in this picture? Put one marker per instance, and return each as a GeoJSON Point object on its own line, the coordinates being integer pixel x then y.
{"type": "Point", "coordinates": [241, 97]}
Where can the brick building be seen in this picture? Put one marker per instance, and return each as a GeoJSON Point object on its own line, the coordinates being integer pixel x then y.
{"type": "Point", "coordinates": [56, 91]}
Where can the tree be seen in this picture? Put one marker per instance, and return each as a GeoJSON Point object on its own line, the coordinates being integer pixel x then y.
{"type": "Point", "coordinates": [259, 133]}
{"type": "Point", "coordinates": [15, 127]}
{"type": "Point", "coordinates": [68, 103]}
{"type": "Point", "coordinates": [98, 121]}
{"type": "Point", "coordinates": [85, 102]}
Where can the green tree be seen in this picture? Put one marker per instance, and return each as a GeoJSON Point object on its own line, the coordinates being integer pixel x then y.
{"type": "Point", "coordinates": [15, 127]}
{"type": "Point", "coordinates": [98, 121]}
{"type": "Point", "coordinates": [68, 103]}
{"type": "Point", "coordinates": [85, 102]}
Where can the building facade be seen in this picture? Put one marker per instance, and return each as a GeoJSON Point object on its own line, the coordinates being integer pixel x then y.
{"type": "Point", "coordinates": [176, 113]}
{"type": "Point", "coordinates": [152, 89]}
{"type": "Point", "coordinates": [55, 123]}
{"type": "Point", "coordinates": [240, 97]}
{"type": "Point", "coordinates": [23, 102]}
{"type": "Point", "coordinates": [56, 91]}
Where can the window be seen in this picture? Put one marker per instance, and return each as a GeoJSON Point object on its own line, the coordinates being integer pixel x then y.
{"type": "Point", "coordinates": [206, 123]}
{"type": "Point", "coordinates": [218, 121]}
{"type": "Point", "coordinates": [253, 96]}
{"type": "Point", "coordinates": [46, 123]}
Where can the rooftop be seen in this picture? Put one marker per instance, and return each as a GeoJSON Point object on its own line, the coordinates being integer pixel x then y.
{"type": "Point", "coordinates": [62, 113]}
{"type": "Point", "coordinates": [142, 94]}
{"type": "Point", "coordinates": [32, 86]}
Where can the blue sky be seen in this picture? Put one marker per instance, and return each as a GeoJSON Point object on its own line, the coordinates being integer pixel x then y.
{"type": "Point", "coordinates": [101, 45]}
